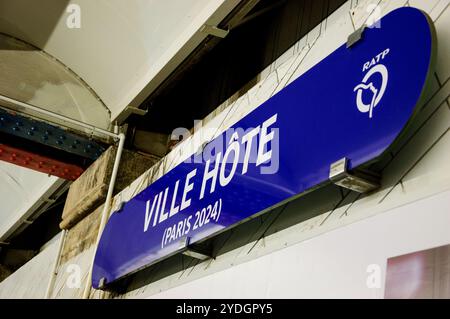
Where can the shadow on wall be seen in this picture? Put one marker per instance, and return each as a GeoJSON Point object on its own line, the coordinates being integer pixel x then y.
{"type": "Point", "coordinates": [30, 75]}
{"type": "Point", "coordinates": [253, 231]}
{"type": "Point", "coordinates": [25, 70]}
{"type": "Point", "coordinates": [18, 16]}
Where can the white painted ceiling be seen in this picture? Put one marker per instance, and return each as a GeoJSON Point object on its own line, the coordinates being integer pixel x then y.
{"type": "Point", "coordinates": [121, 45]}
{"type": "Point", "coordinates": [29, 75]}
{"type": "Point", "coordinates": [20, 189]}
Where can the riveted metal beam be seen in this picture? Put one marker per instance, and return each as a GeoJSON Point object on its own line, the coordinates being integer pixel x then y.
{"type": "Point", "coordinates": [49, 135]}
{"type": "Point", "coordinates": [39, 163]}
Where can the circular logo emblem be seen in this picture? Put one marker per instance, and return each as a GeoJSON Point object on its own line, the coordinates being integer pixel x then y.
{"type": "Point", "coordinates": [377, 93]}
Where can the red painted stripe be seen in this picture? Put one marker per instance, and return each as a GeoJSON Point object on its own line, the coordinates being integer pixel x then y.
{"type": "Point", "coordinates": [39, 163]}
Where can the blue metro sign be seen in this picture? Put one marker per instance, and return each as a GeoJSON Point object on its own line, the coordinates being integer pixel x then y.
{"type": "Point", "coordinates": [353, 104]}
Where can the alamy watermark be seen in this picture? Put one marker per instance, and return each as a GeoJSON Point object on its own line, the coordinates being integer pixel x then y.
{"type": "Point", "coordinates": [258, 146]}
{"type": "Point", "coordinates": [374, 276]}
{"type": "Point", "coordinates": [73, 280]}
{"type": "Point", "coordinates": [73, 20]}
{"type": "Point", "coordinates": [374, 19]}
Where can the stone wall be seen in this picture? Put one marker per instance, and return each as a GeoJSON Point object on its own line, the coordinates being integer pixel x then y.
{"type": "Point", "coordinates": [90, 189]}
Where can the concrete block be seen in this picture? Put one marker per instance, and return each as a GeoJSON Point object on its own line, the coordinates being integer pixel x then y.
{"type": "Point", "coordinates": [81, 236]}
{"type": "Point", "coordinates": [89, 191]}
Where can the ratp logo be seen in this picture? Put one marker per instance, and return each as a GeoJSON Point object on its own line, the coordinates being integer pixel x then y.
{"type": "Point", "coordinates": [376, 91]}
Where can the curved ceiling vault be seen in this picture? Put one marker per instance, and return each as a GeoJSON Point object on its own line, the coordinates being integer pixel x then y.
{"type": "Point", "coordinates": [123, 49]}
{"type": "Point", "coordinates": [30, 75]}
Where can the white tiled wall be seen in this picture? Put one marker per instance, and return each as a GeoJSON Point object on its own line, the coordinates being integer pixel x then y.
{"type": "Point", "coordinates": [283, 255]}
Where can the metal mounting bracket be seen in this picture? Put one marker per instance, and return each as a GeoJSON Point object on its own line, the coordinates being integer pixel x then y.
{"type": "Point", "coordinates": [214, 31]}
{"type": "Point", "coordinates": [137, 111]}
{"type": "Point", "coordinates": [360, 181]}
{"type": "Point", "coordinates": [119, 207]}
{"type": "Point", "coordinates": [27, 221]}
{"type": "Point", "coordinates": [355, 36]}
{"type": "Point", "coordinates": [102, 283]}
{"type": "Point", "coordinates": [40, 132]}
{"type": "Point", "coordinates": [193, 251]}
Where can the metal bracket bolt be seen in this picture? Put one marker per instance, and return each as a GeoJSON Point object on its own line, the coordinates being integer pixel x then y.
{"type": "Point", "coordinates": [355, 36]}
{"type": "Point", "coordinates": [193, 250]}
{"type": "Point", "coordinates": [102, 283]}
{"type": "Point", "coordinates": [214, 31]}
{"type": "Point", "coordinates": [137, 111]}
{"type": "Point", "coordinates": [120, 207]}
{"type": "Point", "coordinates": [358, 180]}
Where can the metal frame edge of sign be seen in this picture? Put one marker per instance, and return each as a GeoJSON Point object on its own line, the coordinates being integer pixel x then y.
{"type": "Point", "coordinates": [131, 243]}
